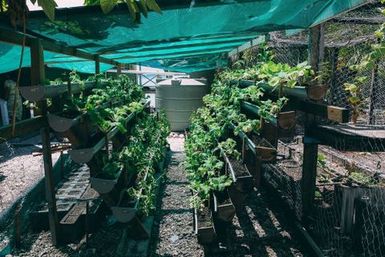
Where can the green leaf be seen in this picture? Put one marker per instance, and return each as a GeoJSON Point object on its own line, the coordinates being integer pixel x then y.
{"type": "Point", "coordinates": [108, 5]}
{"type": "Point", "coordinates": [48, 8]}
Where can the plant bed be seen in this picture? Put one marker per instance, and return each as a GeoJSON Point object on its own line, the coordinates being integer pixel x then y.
{"type": "Point", "coordinates": [243, 181]}
{"type": "Point", "coordinates": [312, 92]}
{"type": "Point", "coordinates": [204, 226]}
{"type": "Point", "coordinates": [282, 120]}
{"type": "Point", "coordinates": [223, 206]}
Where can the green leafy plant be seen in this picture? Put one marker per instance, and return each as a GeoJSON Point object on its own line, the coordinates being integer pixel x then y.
{"type": "Point", "coordinates": [354, 98]}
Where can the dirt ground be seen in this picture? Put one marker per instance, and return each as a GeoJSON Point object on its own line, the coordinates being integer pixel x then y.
{"type": "Point", "coordinates": [19, 169]}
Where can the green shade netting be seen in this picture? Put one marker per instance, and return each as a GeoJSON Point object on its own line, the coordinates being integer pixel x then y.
{"type": "Point", "coordinates": [10, 60]}
{"type": "Point", "coordinates": [182, 33]}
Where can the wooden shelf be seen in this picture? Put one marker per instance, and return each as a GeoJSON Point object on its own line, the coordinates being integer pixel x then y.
{"type": "Point", "coordinates": [347, 137]}
{"type": "Point", "coordinates": [299, 101]}
{"type": "Point", "coordinates": [41, 92]}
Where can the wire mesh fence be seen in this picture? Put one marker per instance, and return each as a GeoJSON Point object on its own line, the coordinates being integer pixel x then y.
{"type": "Point", "coordinates": [348, 218]}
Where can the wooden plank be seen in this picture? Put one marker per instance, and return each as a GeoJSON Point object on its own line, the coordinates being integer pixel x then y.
{"type": "Point", "coordinates": [22, 128]}
{"type": "Point", "coordinates": [344, 137]}
{"type": "Point", "coordinates": [360, 20]}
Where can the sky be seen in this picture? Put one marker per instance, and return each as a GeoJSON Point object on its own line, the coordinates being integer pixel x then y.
{"type": "Point", "coordinates": [60, 3]}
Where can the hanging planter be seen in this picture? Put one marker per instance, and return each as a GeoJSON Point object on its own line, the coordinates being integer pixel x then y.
{"type": "Point", "coordinates": [124, 214]}
{"type": "Point", "coordinates": [41, 92]}
{"type": "Point", "coordinates": [126, 208]}
{"type": "Point", "coordinates": [316, 92]}
{"type": "Point", "coordinates": [85, 155]}
{"type": "Point", "coordinates": [286, 120]}
{"type": "Point", "coordinates": [106, 180]}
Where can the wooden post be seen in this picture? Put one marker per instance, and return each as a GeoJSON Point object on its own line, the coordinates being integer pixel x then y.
{"type": "Point", "coordinates": [316, 46]}
{"type": "Point", "coordinates": [37, 78]}
{"type": "Point", "coordinates": [309, 174]}
{"type": "Point", "coordinates": [310, 147]}
{"type": "Point", "coordinates": [97, 64]}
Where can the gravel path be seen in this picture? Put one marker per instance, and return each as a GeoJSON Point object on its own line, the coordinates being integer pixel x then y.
{"type": "Point", "coordinates": [19, 170]}
{"type": "Point", "coordinates": [174, 235]}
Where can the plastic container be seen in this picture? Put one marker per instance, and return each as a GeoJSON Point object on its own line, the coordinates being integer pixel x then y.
{"type": "Point", "coordinates": [179, 98]}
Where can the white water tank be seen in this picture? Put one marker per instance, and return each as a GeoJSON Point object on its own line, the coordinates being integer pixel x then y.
{"type": "Point", "coordinates": [179, 98]}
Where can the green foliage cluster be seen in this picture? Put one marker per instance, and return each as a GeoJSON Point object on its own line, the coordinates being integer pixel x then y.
{"type": "Point", "coordinates": [138, 159]}
{"type": "Point", "coordinates": [142, 153]}
{"type": "Point", "coordinates": [265, 70]}
{"type": "Point", "coordinates": [108, 106]}
{"type": "Point", "coordinates": [209, 134]}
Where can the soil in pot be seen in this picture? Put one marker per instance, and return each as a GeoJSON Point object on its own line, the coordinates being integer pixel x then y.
{"type": "Point", "coordinates": [239, 168]}
{"type": "Point", "coordinates": [204, 218]}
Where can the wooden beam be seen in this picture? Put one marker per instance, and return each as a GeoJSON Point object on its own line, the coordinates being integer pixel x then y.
{"type": "Point", "coordinates": [360, 20]}
{"type": "Point", "coordinates": [309, 174]}
{"type": "Point", "coordinates": [37, 78]}
{"type": "Point", "coordinates": [373, 93]}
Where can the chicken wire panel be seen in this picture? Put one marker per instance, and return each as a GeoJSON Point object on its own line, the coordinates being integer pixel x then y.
{"type": "Point", "coordinates": [348, 39]}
